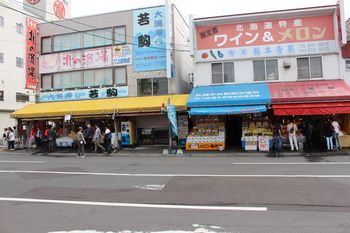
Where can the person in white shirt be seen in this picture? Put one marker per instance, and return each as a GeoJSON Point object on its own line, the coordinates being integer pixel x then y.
{"type": "Point", "coordinates": [292, 135]}
{"type": "Point", "coordinates": [336, 134]}
{"type": "Point", "coordinates": [11, 140]}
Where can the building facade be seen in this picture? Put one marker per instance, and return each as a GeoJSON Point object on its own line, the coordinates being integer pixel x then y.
{"type": "Point", "coordinates": [123, 67]}
{"type": "Point", "coordinates": [253, 70]}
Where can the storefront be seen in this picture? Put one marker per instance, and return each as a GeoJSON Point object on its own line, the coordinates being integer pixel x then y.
{"type": "Point", "coordinates": [312, 102]}
{"type": "Point", "coordinates": [137, 120]}
{"type": "Point", "coordinates": [230, 116]}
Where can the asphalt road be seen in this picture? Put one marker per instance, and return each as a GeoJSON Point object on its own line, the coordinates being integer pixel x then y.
{"type": "Point", "coordinates": [41, 194]}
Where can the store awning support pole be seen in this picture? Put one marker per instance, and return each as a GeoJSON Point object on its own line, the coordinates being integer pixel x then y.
{"type": "Point", "coordinates": [116, 143]}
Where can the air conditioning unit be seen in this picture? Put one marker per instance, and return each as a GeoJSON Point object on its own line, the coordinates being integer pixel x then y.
{"type": "Point", "coordinates": [286, 65]}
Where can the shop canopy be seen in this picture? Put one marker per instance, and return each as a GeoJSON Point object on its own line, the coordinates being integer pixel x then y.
{"type": "Point", "coordinates": [312, 109]}
{"type": "Point", "coordinates": [101, 106]}
{"type": "Point", "coordinates": [229, 95]}
{"type": "Point", "coordinates": [226, 110]}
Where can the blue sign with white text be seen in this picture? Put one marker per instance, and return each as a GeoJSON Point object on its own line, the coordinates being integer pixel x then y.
{"type": "Point", "coordinates": [149, 39]}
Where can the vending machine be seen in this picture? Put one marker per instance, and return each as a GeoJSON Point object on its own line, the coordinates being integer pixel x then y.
{"type": "Point", "coordinates": [127, 133]}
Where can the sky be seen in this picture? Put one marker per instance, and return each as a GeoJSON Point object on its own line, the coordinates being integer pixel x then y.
{"type": "Point", "coordinates": [199, 8]}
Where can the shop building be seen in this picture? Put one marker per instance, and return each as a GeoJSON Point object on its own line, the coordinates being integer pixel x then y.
{"type": "Point", "coordinates": [17, 23]}
{"type": "Point", "coordinates": [119, 69]}
{"type": "Point", "coordinates": [253, 70]}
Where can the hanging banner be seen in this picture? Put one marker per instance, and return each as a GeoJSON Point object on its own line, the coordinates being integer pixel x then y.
{"type": "Point", "coordinates": [31, 54]}
{"type": "Point", "coordinates": [171, 110]}
{"type": "Point", "coordinates": [122, 55]}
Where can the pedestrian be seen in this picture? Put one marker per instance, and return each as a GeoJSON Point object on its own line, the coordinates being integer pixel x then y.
{"type": "Point", "coordinates": [51, 139]}
{"type": "Point", "coordinates": [292, 135]}
{"type": "Point", "coordinates": [336, 134]}
{"type": "Point", "coordinates": [4, 138]}
{"type": "Point", "coordinates": [88, 135]}
{"type": "Point", "coordinates": [306, 130]}
{"type": "Point", "coordinates": [328, 131]}
{"type": "Point", "coordinates": [97, 138]}
{"type": "Point", "coordinates": [108, 140]}
{"type": "Point", "coordinates": [277, 140]}
{"type": "Point", "coordinates": [81, 142]}
{"type": "Point", "coordinates": [11, 139]}
{"type": "Point", "coordinates": [38, 137]}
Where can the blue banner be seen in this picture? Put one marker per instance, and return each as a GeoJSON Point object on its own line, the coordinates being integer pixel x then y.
{"type": "Point", "coordinates": [227, 110]}
{"type": "Point", "coordinates": [149, 39]}
{"type": "Point", "coordinates": [86, 94]}
{"type": "Point", "coordinates": [171, 110]}
{"type": "Point", "coordinates": [228, 95]}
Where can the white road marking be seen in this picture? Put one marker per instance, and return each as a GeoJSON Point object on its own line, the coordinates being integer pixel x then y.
{"type": "Point", "coordinates": [172, 175]}
{"type": "Point", "coordinates": [153, 187]}
{"type": "Point", "coordinates": [8, 161]}
{"type": "Point", "coordinates": [135, 205]}
{"type": "Point", "coordinates": [310, 163]}
{"type": "Point", "coordinates": [198, 230]}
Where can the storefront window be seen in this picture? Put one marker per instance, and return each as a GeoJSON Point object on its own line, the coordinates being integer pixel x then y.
{"type": "Point", "coordinates": [120, 76]}
{"type": "Point", "coordinates": [309, 67]}
{"type": "Point", "coordinates": [223, 72]}
{"type": "Point", "coordinates": [265, 70]}
{"type": "Point", "coordinates": [46, 82]}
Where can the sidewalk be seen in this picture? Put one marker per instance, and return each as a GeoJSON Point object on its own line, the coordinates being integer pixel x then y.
{"type": "Point", "coordinates": [157, 151]}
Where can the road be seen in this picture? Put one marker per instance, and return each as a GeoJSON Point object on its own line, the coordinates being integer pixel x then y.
{"type": "Point", "coordinates": [41, 194]}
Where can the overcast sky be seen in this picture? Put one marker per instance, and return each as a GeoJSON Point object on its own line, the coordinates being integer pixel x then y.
{"type": "Point", "coordinates": [199, 8]}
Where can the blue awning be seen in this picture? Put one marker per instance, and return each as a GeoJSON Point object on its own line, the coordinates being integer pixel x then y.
{"type": "Point", "coordinates": [227, 110]}
{"type": "Point", "coordinates": [229, 95]}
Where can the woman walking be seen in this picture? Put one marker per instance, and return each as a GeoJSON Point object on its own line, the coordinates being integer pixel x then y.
{"type": "Point", "coordinates": [81, 142]}
{"type": "Point", "coordinates": [328, 133]}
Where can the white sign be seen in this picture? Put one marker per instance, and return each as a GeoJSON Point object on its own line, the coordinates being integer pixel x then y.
{"type": "Point", "coordinates": [264, 144]}
{"type": "Point", "coordinates": [122, 55]}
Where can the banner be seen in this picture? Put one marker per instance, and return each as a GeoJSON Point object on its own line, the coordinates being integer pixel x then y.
{"type": "Point", "coordinates": [122, 55]}
{"type": "Point", "coordinates": [150, 39]}
{"type": "Point", "coordinates": [171, 111]}
{"type": "Point", "coordinates": [31, 54]}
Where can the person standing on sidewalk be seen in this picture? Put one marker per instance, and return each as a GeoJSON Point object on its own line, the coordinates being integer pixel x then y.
{"type": "Point", "coordinates": [11, 140]}
{"type": "Point", "coordinates": [328, 133]}
{"type": "Point", "coordinates": [97, 138]}
{"type": "Point", "coordinates": [88, 135]}
{"type": "Point", "coordinates": [277, 141]}
{"type": "Point", "coordinates": [292, 135]}
{"type": "Point", "coordinates": [108, 140]}
{"type": "Point", "coordinates": [81, 142]}
{"type": "Point", "coordinates": [336, 134]}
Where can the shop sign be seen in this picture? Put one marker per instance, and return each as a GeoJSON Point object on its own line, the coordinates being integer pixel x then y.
{"type": "Point", "coordinates": [150, 39]}
{"type": "Point", "coordinates": [270, 38]}
{"type": "Point", "coordinates": [33, 2]}
{"type": "Point", "coordinates": [59, 9]}
{"type": "Point", "coordinates": [342, 35]}
{"type": "Point", "coordinates": [67, 61]}
{"type": "Point", "coordinates": [171, 110]}
{"type": "Point", "coordinates": [86, 94]}
{"type": "Point", "coordinates": [31, 54]}
{"type": "Point", "coordinates": [264, 144]}
{"type": "Point", "coordinates": [122, 55]}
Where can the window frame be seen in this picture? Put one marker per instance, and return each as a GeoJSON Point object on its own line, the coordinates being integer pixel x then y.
{"type": "Point", "coordinates": [19, 62]}
{"type": "Point", "coordinates": [2, 55]}
{"type": "Point", "coordinates": [19, 28]}
{"type": "Point", "coordinates": [152, 86]}
{"type": "Point", "coordinates": [42, 44]}
{"type": "Point", "coordinates": [223, 73]}
{"type": "Point", "coordinates": [309, 64]}
{"type": "Point", "coordinates": [19, 100]}
{"type": "Point", "coordinates": [347, 66]}
{"type": "Point", "coordinates": [265, 70]}
{"type": "Point", "coordinates": [42, 82]}
{"type": "Point", "coordinates": [99, 46]}
{"type": "Point", "coordinates": [114, 75]}
{"type": "Point", "coordinates": [2, 95]}
{"type": "Point", "coordinates": [67, 50]}
{"type": "Point", "coordinates": [2, 21]}
{"type": "Point", "coordinates": [113, 31]}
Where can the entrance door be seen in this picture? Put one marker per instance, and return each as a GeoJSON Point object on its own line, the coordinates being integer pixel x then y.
{"type": "Point", "coordinates": [234, 132]}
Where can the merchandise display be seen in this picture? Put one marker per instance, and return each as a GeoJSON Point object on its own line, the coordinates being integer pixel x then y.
{"type": "Point", "coordinates": [208, 134]}
{"type": "Point", "coordinates": [256, 134]}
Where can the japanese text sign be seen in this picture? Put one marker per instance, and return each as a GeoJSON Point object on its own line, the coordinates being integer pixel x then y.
{"type": "Point", "coordinates": [96, 93]}
{"type": "Point", "coordinates": [279, 37]}
{"type": "Point", "coordinates": [149, 39]}
{"type": "Point", "coordinates": [31, 54]}
{"type": "Point", "coordinates": [122, 55]}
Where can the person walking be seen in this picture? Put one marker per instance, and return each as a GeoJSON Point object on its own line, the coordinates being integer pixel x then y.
{"type": "Point", "coordinates": [11, 140]}
{"type": "Point", "coordinates": [51, 139]}
{"type": "Point", "coordinates": [328, 131]}
{"type": "Point", "coordinates": [292, 135]}
{"type": "Point", "coordinates": [306, 129]}
{"type": "Point", "coordinates": [108, 140]}
{"type": "Point", "coordinates": [81, 142]}
{"type": "Point", "coordinates": [336, 134]}
{"type": "Point", "coordinates": [97, 138]}
{"type": "Point", "coordinates": [5, 138]}
{"type": "Point", "coordinates": [88, 135]}
{"type": "Point", "coordinates": [38, 137]}
{"type": "Point", "coordinates": [277, 140]}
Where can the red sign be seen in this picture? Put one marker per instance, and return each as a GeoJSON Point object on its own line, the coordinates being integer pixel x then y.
{"type": "Point", "coordinates": [269, 32]}
{"type": "Point", "coordinates": [31, 54]}
{"type": "Point", "coordinates": [59, 9]}
{"type": "Point", "coordinates": [33, 2]}
{"type": "Point", "coordinates": [309, 91]}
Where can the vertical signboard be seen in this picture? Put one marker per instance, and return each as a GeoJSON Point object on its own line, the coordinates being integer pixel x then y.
{"type": "Point", "coordinates": [169, 39]}
{"type": "Point", "coordinates": [341, 23]}
{"type": "Point", "coordinates": [149, 39]}
{"type": "Point", "coordinates": [31, 54]}
{"type": "Point", "coordinates": [171, 112]}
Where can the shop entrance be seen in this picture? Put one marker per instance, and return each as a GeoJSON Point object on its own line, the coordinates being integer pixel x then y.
{"type": "Point", "coordinates": [234, 131]}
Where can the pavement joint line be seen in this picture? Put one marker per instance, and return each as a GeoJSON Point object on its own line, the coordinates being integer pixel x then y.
{"type": "Point", "coordinates": [296, 163]}
{"type": "Point", "coordinates": [175, 175]}
{"type": "Point", "coordinates": [135, 205]}
{"type": "Point", "coordinates": [16, 161]}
